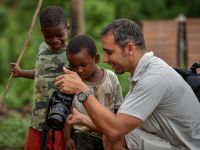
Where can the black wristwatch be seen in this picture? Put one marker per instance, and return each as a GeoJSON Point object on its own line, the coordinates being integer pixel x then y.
{"type": "Point", "coordinates": [82, 96]}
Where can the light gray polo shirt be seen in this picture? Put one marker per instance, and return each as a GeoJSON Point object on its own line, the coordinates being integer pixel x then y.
{"type": "Point", "coordinates": [164, 101]}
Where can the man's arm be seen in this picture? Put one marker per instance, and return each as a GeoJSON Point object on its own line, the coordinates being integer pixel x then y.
{"type": "Point", "coordinates": [113, 126]}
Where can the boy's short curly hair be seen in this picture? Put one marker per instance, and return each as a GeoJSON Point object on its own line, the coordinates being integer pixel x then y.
{"type": "Point", "coordinates": [52, 16]}
{"type": "Point", "coordinates": [81, 42]}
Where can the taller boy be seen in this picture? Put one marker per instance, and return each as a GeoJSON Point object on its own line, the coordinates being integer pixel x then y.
{"type": "Point", "coordinates": [50, 60]}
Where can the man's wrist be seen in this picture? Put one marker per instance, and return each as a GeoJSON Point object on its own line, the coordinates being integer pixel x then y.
{"type": "Point", "coordinates": [82, 88]}
{"type": "Point", "coordinates": [82, 96]}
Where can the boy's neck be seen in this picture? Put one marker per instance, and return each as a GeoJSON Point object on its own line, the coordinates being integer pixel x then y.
{"type": "Point", "coordinates": [61, 49]}
{"type": "Point", "coordinates": [97, 76]}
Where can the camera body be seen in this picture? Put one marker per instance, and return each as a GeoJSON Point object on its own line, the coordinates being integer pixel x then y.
{"type": "Point", "coordinates": [58, 109]}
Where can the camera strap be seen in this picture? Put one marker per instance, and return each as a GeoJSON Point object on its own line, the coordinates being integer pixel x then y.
{"type": "Point", "coordinates": [45, 131]}
{"type": "Point", "coordinates": [44, 140]}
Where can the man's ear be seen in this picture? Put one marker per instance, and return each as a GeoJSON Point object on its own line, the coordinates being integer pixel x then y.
{"type": "Point", "coordinates": [130, 47]}
{"type": "Point", "coordinates": [97, 58]}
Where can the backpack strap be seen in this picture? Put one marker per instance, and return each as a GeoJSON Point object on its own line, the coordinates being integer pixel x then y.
{"type": "Point", "coordinates": [183, 72]}
{"type": "Point", "coordinates": [194, 67]}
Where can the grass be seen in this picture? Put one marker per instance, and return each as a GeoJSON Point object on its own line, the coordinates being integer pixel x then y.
{"type": "Point", "coordinates": [13, 130]}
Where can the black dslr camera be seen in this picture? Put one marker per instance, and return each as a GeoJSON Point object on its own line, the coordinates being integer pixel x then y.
{"type": "Point", "coordinates": [58, 110]}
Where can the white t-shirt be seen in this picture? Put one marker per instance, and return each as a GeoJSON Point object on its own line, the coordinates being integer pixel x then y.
{"type": "Point", "coordinates": [165, 102]}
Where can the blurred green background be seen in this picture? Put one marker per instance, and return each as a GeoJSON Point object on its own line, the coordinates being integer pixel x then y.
{"type": "Point", "coordinates": [15, 19]}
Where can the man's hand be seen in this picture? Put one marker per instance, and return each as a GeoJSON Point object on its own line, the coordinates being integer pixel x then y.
{"type": "Point", "coordinates": [70, 82]}
{"type": "Point", "coordinates": [15, 69]}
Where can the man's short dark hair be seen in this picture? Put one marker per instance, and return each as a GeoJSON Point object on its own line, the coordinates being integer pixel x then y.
{"type": "Point", "coordinates": [125, 31]}
{"type": "Point", "coordinates": [81, 42]}
{"type": "Point", "coordinates": [52, 16]}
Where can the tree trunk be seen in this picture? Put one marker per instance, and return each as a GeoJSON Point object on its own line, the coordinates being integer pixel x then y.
{"type": "Point", "coordinates": [77, 15]}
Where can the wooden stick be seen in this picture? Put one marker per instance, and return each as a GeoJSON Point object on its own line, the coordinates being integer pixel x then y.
{"type": "Point", "coordinates": [26, 42]}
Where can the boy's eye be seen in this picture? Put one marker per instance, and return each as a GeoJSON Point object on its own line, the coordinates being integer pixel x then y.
{"type": "Point", "coordinates": [71, 67]}
{"type": "Point", "coordinates": [47, 37]}
{"type": "Point", "coordinates": [83, 65]}
{"type": "Point", "coordinates": [59, 35]}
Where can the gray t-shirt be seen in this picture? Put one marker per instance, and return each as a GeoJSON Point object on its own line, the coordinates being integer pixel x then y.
{"type": "Point", "coordinates": [165, 102]}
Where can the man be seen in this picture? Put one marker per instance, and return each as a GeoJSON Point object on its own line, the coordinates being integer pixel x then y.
{"type": "Point", "coordinates": [159, 101]}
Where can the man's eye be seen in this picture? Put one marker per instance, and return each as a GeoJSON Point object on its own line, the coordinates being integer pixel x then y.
{"type": "Point", "coordinates": [108, 53]}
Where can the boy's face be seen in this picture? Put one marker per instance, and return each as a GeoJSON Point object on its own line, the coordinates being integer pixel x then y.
{"type": "Point", "coordinates": [56, 36]}
{"type": "Point", "coordinates": [83, 64]}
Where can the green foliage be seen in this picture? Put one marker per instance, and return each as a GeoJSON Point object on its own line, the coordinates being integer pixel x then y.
{"type": "Point", "coordinates": [13, 131]}
{"type": "Point", "coordinates": [130, 10]}
{"type": "Point", "coordinates": [97, 14]}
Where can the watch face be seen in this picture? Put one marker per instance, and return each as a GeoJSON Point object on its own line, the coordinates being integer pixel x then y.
{"type": "Point", "coordinates": [81, 97]}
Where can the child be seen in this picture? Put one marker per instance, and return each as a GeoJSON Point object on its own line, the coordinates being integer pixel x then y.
{"type": "Point", "coordinates": [83, 57]}
{"type": "Point", "coordinates": [50, 60]}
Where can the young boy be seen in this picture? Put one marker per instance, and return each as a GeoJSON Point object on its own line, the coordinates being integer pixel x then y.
{"type": "Point", "coordinates": [83, 57]}
{"type": "Point", "coordinates": [50, 60]}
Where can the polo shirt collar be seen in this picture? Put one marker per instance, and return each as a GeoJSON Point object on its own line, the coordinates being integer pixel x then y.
{"type": "Point", "coordinates": [142, 64]}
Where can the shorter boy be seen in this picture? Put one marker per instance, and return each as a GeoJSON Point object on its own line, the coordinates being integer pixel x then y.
{"type": "Point", "coordinates": [82, 56]}
{"type": "Point", "coordinates": [50, 60]}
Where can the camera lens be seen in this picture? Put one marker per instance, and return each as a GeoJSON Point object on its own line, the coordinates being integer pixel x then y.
{"type": "Point", "coordinates": [57, 116]}
{"type": "Point", "coordinates": [59, 109]}
{"type": "Point", "coordinates": [56, 121]}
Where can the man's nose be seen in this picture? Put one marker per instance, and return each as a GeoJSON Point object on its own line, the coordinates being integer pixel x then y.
{"type": "Point", "coordinates": [105, 58]}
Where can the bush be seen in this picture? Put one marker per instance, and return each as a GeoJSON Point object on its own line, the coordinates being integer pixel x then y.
{"type": "Point", "coordinates": [13, 131]}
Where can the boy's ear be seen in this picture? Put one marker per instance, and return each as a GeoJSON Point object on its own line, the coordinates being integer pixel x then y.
{"type": "Point", "coordinates": [41, 30]}
{"type": "Point", "coordinates": [68, 26]}
{"type": "Point", "coordinates": [97, 58]}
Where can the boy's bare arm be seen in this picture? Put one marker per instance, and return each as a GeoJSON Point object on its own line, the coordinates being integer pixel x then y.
{"type": "Point", "coordinates": [18, 72]}
{"type": "Point", "coordinates": [81, 119]}
{"type": "Point", "coordinates": [68, 136]}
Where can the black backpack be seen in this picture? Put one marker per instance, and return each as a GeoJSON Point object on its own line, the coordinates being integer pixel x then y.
{"type": "Point", "coordinates": [191, 77]}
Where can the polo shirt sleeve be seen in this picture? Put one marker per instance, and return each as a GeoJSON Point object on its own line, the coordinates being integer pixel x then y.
{"type": "Point", "coordinates": [145, 96]}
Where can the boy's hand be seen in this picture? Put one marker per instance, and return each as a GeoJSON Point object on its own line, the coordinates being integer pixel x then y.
{"type": "Point", "coordinates": [70, 144]}
{"type": "Point", "coordinates": [75, 118]}
{"type": "Point", "coordinates": [70, 82]}
{"type": "Point", "coordinates": [15, 69]}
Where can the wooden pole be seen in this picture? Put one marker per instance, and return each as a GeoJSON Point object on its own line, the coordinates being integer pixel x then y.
{"type": "Point", "coordinates": [22, 51]}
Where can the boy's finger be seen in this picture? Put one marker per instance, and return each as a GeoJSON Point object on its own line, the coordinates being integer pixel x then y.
{"type": "Point", "coordinates": [13, 64]}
